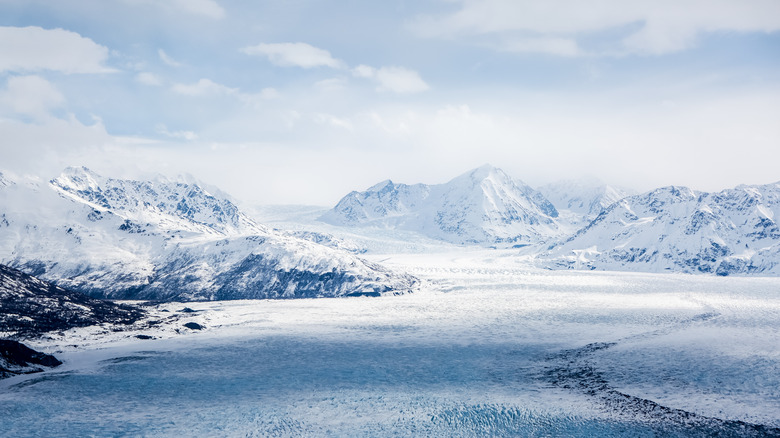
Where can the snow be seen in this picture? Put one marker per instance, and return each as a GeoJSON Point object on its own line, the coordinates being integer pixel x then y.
{"type": "Point", "coordinates": [584, 198]}
{"type": "Point", "coordinates": [678, 229]}
{"type": "Point", "coordinates": [483, 206]}
{"type": "Point", "coordinates": [469, 354]}
{"type": "Point", "coordinates": [168, 240]}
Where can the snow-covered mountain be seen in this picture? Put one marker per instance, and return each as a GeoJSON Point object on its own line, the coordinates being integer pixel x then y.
{"type": "Point", "coordinates": [30, 306]}
{"type": "Point", "coordinates": [583, 198]}
{"type": "Point", "coordinates": [679, 229]}
{"type": "Point", "coordinates": [482, 206]}
{"type": "Point", "coordinates": [167, 240]}
{"type": "Point", "coordinates": [165, 204]}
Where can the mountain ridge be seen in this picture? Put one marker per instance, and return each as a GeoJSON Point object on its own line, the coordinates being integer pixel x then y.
{"type": "Point", "coordinates": [481, 206]}
{"type": "Point", "coordinates": [126, 239]}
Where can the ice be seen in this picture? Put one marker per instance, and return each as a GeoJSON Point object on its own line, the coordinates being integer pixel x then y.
{"type": "Point", "coordinates": [488, 346]}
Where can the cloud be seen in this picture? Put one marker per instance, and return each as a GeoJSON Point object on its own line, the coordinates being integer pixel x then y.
{"type": "Point", "coordinates": [294, 55]}
{"type": "Point", "coordinates": [147, 78]}
{"type": "Point", "coordinates": [167, 59]}
{"type": "Point", "coordinates": [181, 135]}
{"type": "Point", "coordinates": [204, 88]}
{"type": "Point", "coordinates": [46, 148]}
{"type": "Point", "coordinates": [550, 45]}
{"type": "Point", "coordinates": [30, 96]}
{"type": "Point", "coordinates": [394, 79]}
{"type": "Point", "coordinates": [639, 27]}
{"type": "Point", "coordinates": [203, 8]}
{"type": "Point", "coordinates": [31, 49]}
{"type": "Point", "coordinates": [209, 88]}
{"type": "Point", "coordinates": [331, 120]}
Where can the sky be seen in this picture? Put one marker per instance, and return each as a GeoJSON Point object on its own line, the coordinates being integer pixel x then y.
{"type": "Point", "coordinates": [303, 101]}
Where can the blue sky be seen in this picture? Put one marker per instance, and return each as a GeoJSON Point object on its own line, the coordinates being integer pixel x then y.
{"type": "Point", "coordinates": [302, 101]}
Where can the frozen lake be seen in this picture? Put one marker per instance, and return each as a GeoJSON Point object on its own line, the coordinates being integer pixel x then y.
{"type": "Point", "coordinates": [487, 347]}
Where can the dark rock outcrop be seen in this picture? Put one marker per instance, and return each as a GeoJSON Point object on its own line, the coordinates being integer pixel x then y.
{"type": "Point", "coordinates": [17, 358]}
{"type": "Point", "coordinates": [30, 307]}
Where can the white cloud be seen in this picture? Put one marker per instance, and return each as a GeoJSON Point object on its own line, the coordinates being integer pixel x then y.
{"type": "Point", "coordinates": [400, 80]}
{"type": "Point", "coordinates": [150, 79]}
{"type": "Point", "coordinates": [364, 71]}
{"type": "Point", "coordinates": [204, 88]}
{"type": "Point", "coordinates": [331, 120]}
{"type": "Point", "coordinates": [206, 8]}
{"type": "Point", "coordinates": [550, 45]}
{"type": "Point", "coordinates": [294, 55]}
{"type": "Point", "coordinates": [209, 88]}
{"type": "Point", "coordinates": [395, 79]}
{"type": "Point", "coordinates": [167, 59]}
{"type": "Point", "coordinates": [331, 84]}
{"type": "Point", "coordinates": [203, 8]}
{"type": "Point", "coordinates": [182, 135]}
{"type": "Point", "coordinates": [648, 26]}
{"type": "Point", "coordinates": [47, 147]}
{"type": "Point", "coordinates": [30, 96]}
{"type": "Point", "coordinates": [29, 49]}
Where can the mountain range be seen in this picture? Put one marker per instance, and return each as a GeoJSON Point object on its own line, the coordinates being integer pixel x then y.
{"type": "Point", "coordinates": [733, 231]}
{"type": "Point", "coordinates": [175, 240]}
{"type": "Point", "coordinates": [584, 224]}
{"type": "Point", "coordinates": [482, 206]}
{"type": "Point", "coordinates": [167, 240]}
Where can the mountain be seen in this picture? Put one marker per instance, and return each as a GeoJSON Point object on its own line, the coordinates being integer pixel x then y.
{"type": "Point", "coordinates": [167, 240]}
{"type": "Point", "coordinates": [584, 198]}
{"type": "Point", "coordinates": [678, 229]}
{"type": "Point", "coordinates": [29, 307]}
{"type": "Point", "coordinates": [164, 204]}
{"type": "Point", "coordinates": [483, 206]}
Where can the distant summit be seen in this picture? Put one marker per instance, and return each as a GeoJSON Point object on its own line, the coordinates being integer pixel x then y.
{"type": "Point", "coordinates": [483, 206]}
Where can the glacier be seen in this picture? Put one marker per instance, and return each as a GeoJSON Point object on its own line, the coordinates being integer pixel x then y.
{"type": "Point", "coordinates": [488, 346]}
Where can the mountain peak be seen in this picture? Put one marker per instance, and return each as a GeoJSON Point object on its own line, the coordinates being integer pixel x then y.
{"type": "Point", "coordinates": [381, 185]}
{"type": "Point", "coordinates": [78, 178]}
{"type": "Point", "coordinates": [483, 205]}
{"type": "Point", "coordinates": [169, 205]}
{"type": "Point", "coordinates": [486, 171]}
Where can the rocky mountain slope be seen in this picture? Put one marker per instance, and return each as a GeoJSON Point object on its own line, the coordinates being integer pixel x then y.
{"type": "Point", "coordinates": [167, 240]}
{"type": "Point", "coordinates": [734, 231]}
{"type": "Point", "coordinates": [483, 206]}
{"type": "Point", "coordinates": [29, 307]}
{"type": "Point", "coordinates": [17, 358]}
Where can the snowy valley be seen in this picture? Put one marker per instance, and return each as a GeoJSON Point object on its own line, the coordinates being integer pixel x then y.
{"type": "Point", "coordinates": [477, 307]}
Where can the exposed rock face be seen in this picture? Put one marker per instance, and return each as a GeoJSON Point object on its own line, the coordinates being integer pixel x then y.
{"type": "Point", "coordinates": [29, 307]}
{"type": "Point", "coordinates": [17, 358]}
